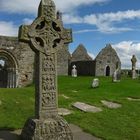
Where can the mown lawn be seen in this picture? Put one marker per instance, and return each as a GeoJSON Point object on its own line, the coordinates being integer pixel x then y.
{"type": "Point", "coordinates": [110, 124]}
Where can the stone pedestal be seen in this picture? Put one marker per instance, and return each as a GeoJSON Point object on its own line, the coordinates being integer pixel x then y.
{"type": "Point", "coordinates": [49, 129]}
{"type": "Point", "coordinates": [134, 74]}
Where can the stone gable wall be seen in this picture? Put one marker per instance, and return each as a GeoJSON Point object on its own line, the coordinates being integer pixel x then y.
{"type": "Point", "coordinates": [80, 54]}
{"type": "Point", "coordinates": [107, 57]}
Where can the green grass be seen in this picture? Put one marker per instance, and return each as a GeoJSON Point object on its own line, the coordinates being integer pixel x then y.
{"type": "Point", "coordinates": [110, 124]}
{"type": "Point", "coordinates": [17, 105]}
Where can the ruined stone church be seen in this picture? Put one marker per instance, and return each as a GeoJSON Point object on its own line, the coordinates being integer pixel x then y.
{"type": "Point", "coordinates": [104, 64]}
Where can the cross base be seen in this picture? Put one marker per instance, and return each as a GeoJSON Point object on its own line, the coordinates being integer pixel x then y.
{"type": "Point", "coordinates": [50, 129]}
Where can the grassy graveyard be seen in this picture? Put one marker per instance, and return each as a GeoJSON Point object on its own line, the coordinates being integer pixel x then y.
{"type": "Point", "coordinates": [16, 105]}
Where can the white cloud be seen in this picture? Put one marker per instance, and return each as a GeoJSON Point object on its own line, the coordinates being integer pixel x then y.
{"type": "Point", "coordinates": [71, 19]}
{"type": "Point", "coordinates": [105, 22]}
{"type": "Point", "coordinates": [30, 6]}
{"type": "Point", "coordinates": [91, 55]}
{"type": "Point", "coordinates": [8, 28]}
{"type": "Point", "coordinates": [19, 6]}
{"type": "Point", "coordinates": [125, 50]}
{"type": "Point", "coordinates": [85, 31]}
{"type": "Point", "coordinates": [71, 5]}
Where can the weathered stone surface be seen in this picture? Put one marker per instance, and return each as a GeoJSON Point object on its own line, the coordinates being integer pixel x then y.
{"type": "Point", "coordinates": [63, 60]}
{"type": "Point", "coordinates": [133, 99]}
{"type": "Point", "coordinates": [106, 61]}
{"type": "Point", "coordinates": [80, 54]}
{"type": "Point", "coordinates": [86, 107]}
{"type": "Point", "coordinates": [111, 105]}
{"type": "Point", "coordinates": [64, 111]}
{"type": "Point", "coordinates": [49, 129]}
{"type": "Point", "coordinates": [95, 83]}
{"type": "Point", "coordinates": [46, 35]}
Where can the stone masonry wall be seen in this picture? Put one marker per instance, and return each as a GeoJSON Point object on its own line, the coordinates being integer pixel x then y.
{"type": "Point", "coordinates": [24, 57]}
{"type": "Point", "coordinates": [107, 57]}
{"type": "Point", "coordinates": [62, 61]}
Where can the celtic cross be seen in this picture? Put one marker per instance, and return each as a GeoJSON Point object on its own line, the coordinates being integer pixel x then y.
{"type": "Point", "coordinates": [46, 35]}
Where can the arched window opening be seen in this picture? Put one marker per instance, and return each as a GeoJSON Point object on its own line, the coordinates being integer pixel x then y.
{"type": "Point", "coordinates": [8, 70]}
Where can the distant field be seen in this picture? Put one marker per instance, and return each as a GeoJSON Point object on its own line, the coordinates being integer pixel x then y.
{"type": "Point", "coordinates": [16, 105]}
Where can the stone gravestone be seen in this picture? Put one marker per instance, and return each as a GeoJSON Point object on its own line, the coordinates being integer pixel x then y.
{"type": "Point", "coordinates": [45, 35]}
{"type": "Point", "coordinates": [116, 77]}
{"type": "Point", "coordinates": [134, 60]}
{"type": "Point", "coordinates": [95, 83]}
{"type": "Point", "coordinates": [74, 71]}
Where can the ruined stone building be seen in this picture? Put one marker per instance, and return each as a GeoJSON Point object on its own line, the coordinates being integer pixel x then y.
{"type": "Point", "coordinates": [17, 60]}
{"type": "Point", "coordinates": [84, 63]}
{"type": "Point", "coordinates": [104, 64]}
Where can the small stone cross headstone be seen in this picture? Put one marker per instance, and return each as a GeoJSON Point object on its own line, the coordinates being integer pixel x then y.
{"type": "Point", "coordinates": [74, 71]}
{"type": "Point", "coordinates": [45, 35]}
{"type": "Point", "coordinates": [134, 60]}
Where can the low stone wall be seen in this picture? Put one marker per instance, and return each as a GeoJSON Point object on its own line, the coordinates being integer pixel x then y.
{"type": "Point", "coordinates": [85, 68]}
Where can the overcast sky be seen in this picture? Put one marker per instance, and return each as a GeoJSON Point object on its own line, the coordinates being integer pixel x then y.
{"type": "Point", "coordinates": [95, 23]}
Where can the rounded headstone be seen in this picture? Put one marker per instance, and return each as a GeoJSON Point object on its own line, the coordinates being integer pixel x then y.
{"type": "Point", "coordinates": [95, 83]}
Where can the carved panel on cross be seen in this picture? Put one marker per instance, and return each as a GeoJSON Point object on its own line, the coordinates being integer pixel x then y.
{"type": "Point", "coordinates": [48, 64]}
{"type": "Point", "coordinates": [48, 81]}
{"type": "Point", "coordinates": [48, 12]}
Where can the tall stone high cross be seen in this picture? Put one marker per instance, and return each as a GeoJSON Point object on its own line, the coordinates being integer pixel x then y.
{"type": "Point", "coordinates": [134, 60]}
{"type": "Point", "coordinates": [45, 35]}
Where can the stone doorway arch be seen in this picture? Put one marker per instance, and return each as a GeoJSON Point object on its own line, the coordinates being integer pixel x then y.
{"type": "Point", "coordinates": [107, 71]}
{"type": "Point", "coordinates": [8, 70]}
